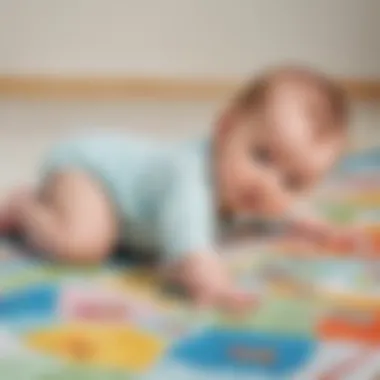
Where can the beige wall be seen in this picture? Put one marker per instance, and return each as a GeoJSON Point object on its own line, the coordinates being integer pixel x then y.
{"type": "Point", "coordinates": [188, 37]}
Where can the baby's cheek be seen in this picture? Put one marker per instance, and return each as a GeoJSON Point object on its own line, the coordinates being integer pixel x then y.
{"type": "Point", "coordinates": [239, 170]}
{"type": "Point", "coordinates": [279, 204]}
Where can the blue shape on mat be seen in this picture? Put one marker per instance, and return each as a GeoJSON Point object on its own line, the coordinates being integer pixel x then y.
{"type": "Point", "coordinates": [367, 160]}
{"type": "Point", "coordinates": [34, 300]}
{"type": "Point", "coordinates": [212, 351]}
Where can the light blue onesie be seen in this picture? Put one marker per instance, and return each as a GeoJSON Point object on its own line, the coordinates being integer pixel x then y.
{"type": "Point", "coordinates": [163, 192]}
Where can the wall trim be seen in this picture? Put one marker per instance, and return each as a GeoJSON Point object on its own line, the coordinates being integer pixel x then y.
{"type": "Point", "coordinates": [158, 88]}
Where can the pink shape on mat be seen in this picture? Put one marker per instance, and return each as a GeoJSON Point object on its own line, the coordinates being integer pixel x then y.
{"type": "Point", "coordinates": [100, 305]}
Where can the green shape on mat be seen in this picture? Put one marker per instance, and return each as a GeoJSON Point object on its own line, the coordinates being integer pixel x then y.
{"type": "Point", "coordinates": [287, 315]}
{"type": "Point", "coordinates": [340, 213]}
{"type": "Point", "coordinates": [34, 367]}
{"type": "Point", "coordinates": [236, 322]}
{"type": "Point", "coordinates": [47, 273]}
{"type": "Point", "coordinates": [85, 373]}
{"type": "Point", "coordinates": [23, 278]}
{"type": "Point", "coordinates": [40, 368]}
{"type": "Point", "coordinates": [88, 271]}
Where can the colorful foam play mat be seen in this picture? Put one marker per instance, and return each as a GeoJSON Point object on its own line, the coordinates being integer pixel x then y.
{"type": "Point", "coordinates": [318, 317]}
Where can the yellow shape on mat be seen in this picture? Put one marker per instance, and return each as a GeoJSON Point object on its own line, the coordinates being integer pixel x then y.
{"type": "Point", "coordinates": [366, 199]}
{"type": "Point", "coordinates": [354, 301]}
{"type": "Point", "coordinates": [109, 346]}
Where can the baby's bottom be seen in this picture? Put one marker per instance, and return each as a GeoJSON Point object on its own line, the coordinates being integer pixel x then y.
{"type": "Point", "coordinates": [71, 218]}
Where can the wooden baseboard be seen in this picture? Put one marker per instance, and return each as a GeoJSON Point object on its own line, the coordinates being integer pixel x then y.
{"type": "Point", "coordinates": [362, 90]}
{"type": "Point", "coordinates": [102, 88]}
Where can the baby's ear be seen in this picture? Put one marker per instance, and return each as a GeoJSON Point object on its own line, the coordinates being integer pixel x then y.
{"type": "Point", "coordinates": [228, 119]}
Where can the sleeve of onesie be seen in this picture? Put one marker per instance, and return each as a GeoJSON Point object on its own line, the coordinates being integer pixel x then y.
{"type": "Point", "coordinates": [186, 214]}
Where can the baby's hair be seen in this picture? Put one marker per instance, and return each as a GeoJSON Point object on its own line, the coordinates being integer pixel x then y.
{"type": "Point", "coordinates": [255, 94]}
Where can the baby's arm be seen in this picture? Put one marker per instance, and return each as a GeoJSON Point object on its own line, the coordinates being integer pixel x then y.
{"type": "Point", "coordinates": [187, 231]}
{"type": "Point", "coordinates": [206, 280]}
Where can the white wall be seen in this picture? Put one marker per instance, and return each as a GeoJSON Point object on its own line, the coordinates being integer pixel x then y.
{"type": "Point", "coordinates": [188, 37]}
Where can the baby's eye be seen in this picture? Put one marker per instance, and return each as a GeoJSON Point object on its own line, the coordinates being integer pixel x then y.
{"type": "Point", "coordinates": [262, 155]}
{"type": "Point", "coordinates": [293, 182]}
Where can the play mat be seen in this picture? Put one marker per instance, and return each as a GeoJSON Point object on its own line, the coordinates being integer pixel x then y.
{"type": "Point", "coordinates": [318, 317]}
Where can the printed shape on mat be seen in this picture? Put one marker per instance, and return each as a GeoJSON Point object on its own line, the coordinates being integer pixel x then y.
{"type": "Point", "coordinates": [107, 346]}
{"type": "Point", "coordinates": [290, 315]}
{"type": "Point", "coordinates": [36, 300]}
{"type": "Point", "coordinates": [245, 352]}
{"type": "Point", "coordinates": [350, 325]}
{"type": "Point", "coordinates": [99, 304]}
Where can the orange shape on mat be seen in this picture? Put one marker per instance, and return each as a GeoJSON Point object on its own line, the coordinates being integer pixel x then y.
{"type": "Point", "coordinates": [361, 326]}
{"type": "Point", "coordinates": [342, 246]}
{"type": "Point", "coordinates": [369, 198]}
{"type": "Point", "coordinates": [373, 236]}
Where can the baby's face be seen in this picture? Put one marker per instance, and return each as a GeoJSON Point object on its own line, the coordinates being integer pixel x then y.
{"type": "Point", "coordinates": [268, 160]}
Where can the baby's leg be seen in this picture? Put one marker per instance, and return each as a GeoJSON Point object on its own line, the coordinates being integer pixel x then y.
{"type": "Point", "coordinates": [72, 220]}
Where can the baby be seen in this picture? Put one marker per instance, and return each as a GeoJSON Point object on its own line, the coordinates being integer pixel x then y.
{"type": "Point", "coordinates": [269, 147]}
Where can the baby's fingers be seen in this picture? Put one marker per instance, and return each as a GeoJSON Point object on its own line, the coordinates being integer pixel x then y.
{"type": "Point", "coordinates": [203, 299]}
{"type": "Point", "coordinates": [203, 292]}
{"type": "Point", "coordinates": [237, 301]}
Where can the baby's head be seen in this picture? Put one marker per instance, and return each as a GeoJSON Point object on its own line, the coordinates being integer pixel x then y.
{"type": "Point", "coordinates": [278, 138]}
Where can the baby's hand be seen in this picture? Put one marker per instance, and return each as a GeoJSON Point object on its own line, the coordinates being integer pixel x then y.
{"type": "Point", "coordinates": [208, 283]}
{"type": "Point", "coordinates": [325, 234]}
